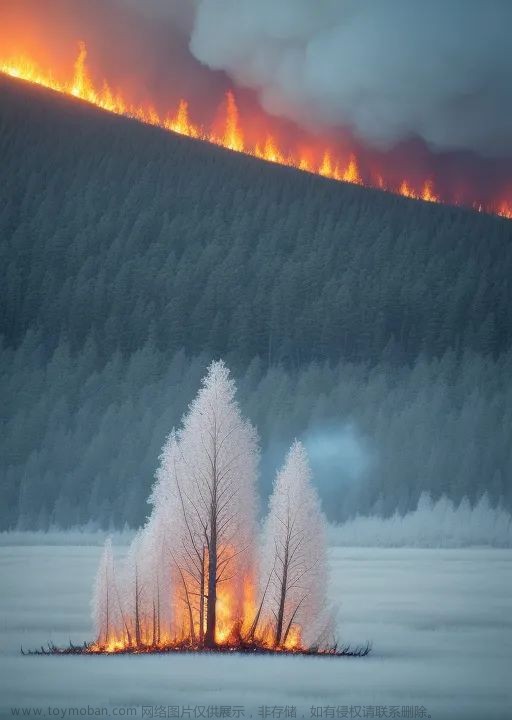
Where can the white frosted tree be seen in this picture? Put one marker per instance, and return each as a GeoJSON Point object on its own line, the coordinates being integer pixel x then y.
{"type": "Point", "coordinates": [167, 523]}
{"type": "Point", "coordinates": [104, 602]}
{"type": "Point", "coordinates": [293, 564]}
{"type": "Point", "coordinates": [146, 578]}
{"type": "Point", "coordinates": [155, 577]}
{"type": "Point", "coordinates": [130, 591]}
{"type": "Point", "coordinates": [136, 591]}
{"type": "Point", "coordinates": [206, 480]}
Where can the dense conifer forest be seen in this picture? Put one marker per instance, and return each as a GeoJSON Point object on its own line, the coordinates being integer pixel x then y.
{"type": "Point", "coordinates": [376, 328]}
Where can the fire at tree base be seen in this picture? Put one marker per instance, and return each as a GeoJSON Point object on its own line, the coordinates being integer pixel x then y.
{"type": "Point", "coordinates": [242, 647]}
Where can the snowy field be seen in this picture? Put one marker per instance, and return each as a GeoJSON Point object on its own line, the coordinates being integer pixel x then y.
{"type": "Point", "coordinates": [440, 622]}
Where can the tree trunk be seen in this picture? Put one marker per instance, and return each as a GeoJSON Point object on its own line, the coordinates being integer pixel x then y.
{"type": "Point", "coordinates": [201, 597]}
{"type": "Point", "coordinates": [137, 616]}
{"type": "Point", "coordinates": [211, 602]}
{"type": "Point", "coordinates": [158, 612]}
{"type": "Point", "coordinates": [254, 625]}
{"type": "Point", "coordinates": [282, 601]}
{"type": "Point", "coordinates": [107, 628]}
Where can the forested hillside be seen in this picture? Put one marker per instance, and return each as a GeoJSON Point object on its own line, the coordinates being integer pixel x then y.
{"type": "Point", "coordinates": [129, 257]}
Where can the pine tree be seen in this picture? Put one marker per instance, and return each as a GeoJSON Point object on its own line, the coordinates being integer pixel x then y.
{"type": "Point", "coordinates": [103, 601]}
{"type": "Point", "coordinates": [207, 478]}
{"type": "Point", "coordinates": [293, 564]}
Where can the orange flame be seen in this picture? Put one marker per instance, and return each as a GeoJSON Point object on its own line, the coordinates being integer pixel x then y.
{"type": "Point", "coordinates": [233, 138]}
{"type": "Point", "coordinates": [236, 625]}
{"type": "Point", "coordinates": [343, 169]}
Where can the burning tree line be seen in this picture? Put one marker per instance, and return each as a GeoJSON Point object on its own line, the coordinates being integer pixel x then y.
{"type": "Point", "coordinates": [330, 161]}
{"type": "Point", "coordinates": [200, 574]}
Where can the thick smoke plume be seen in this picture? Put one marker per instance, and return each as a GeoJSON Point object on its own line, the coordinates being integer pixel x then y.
{"type": "Point", "coordinates": [382, 71]}
{"type": "Point", "coordinates": [420, 94]}
{"type": "Point", "coordinates": [387, 70]}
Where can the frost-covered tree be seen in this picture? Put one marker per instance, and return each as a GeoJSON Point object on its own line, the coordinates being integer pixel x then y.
{"type": "Point", "coordinates": [133, 591]}
{"type": "Point", "coordinates": [144, 583]}
{"type": "Point", "coordinates": [206, 481]}
{"type": "Point", "coordinates": [104, 602]}
{"type": "Point", "coordinates": [293, 563]}
{"type": "Point", "coordinates": [165, 522]}
{"type": "Point", "coordinates": [155, 577]}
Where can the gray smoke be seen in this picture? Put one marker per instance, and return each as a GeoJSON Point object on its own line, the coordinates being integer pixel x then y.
{"type": "Point", "coordinates": [439, 70]}
{"type": "Point", "coordinates": [338, 454]}
{"type": "Point", "coordinates": [179, 12]}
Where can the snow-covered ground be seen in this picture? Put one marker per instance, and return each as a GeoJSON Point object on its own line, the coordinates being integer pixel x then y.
{"type": "Point", "coordinates": [440, 622]}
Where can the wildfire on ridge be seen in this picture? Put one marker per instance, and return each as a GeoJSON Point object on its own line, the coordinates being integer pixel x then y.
{"type": "Point", "coordinates": [327, 164]}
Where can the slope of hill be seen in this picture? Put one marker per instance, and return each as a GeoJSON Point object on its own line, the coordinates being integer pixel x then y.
{"type": "Point", "coordinates": [129, 256]}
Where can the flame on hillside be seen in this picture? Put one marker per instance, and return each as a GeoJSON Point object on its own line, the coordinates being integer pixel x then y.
{"type": "Point", "coordinates": [327, 162]}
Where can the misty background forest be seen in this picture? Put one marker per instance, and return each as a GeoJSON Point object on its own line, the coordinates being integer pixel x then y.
{"type": "Point", "coordinates": [376, 329]}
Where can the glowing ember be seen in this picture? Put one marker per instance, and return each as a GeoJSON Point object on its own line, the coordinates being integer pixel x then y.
{"type": "Point", "coordinates": [326, 163]}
